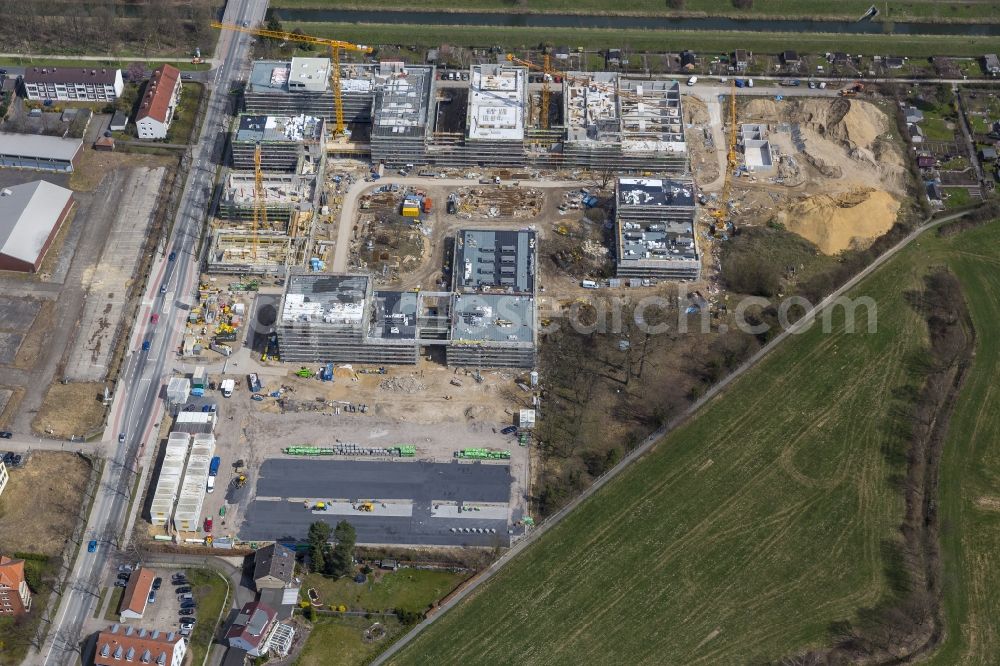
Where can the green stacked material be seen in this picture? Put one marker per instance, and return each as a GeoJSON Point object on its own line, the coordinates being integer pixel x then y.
{"type": "Point", "coordinates": [482, 454]}
{"type": "Point", "coordinates": [407, 450]}
{"type": "Point", "coordinates": [308, 451]}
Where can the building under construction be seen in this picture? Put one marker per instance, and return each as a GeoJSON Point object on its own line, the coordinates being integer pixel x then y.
{"type": "Point", "coordinates": [284, 197]}
{"type": "Point", "coordinates": [654, 229]}
{"type": "Point", "coordinates": [289, 144]}
{"type": "Point", "coordinates": [600, 121]}
{"type": "Point", "coordinates": [489, 320]}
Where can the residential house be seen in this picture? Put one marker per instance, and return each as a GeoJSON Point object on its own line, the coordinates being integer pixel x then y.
{"type": "Point", "coordinates": [273, 567]}
{"type": "Point", "coordinates": [15, 597]}
{"type": "Point", "coordinates": [991, 64]}
{"type": "Point", "coordinates": [839, 58]}
{"type": "Point", "coordinates": [159, 103]}
{"type": "Point", "coordinates": [933, 191]}
{"type": "Point", "coordinates": [916, 134]}
{"type": "Point", "coordinates": [613, 57]}
{"type": "Point", "coordinates": [73, 84]}
{"type": "Point", "coordinates": [913, 114]}
{"type": "Point", "coordinates": [121, 645]}
{"type": "Point", "coordinates": [790, 58]}
{"type": "Point", "coordinates": [689, 60]}
{"type": "Point", "coordinates": [561, 53]}
{"type": "Point", "coordinates": [741, 60]}
{"type": "Point", "coordinates": [251, 630]}
{"type": "Point", "coordinates": [133, 603]}
{"type": "Point", "coordinates": [988, 154]}
{"type": "Point", "coordinates": [893, 62]}
{"type": "Point", "coordinates": [119, 122]}
{"type": "Point", "coordinates": [926, 161]}
{"type": "Point", "coordinates": [4, 477]}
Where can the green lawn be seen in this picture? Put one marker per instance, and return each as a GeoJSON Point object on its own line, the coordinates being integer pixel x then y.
{"type": "Point", "coordinates": [936, 129]}
{"type": "Point", "coordinates": [850, 9]}
{"type": "Point", "coordinates": [746, 532]}
{"type": "Point", "coordinates": [184, 65]}
{"type": "Point", "coordinates": [338, 641]}
{"type": "Point", "coordinates": [187, 110]}
{"type": "Point", "coordinates": [111, 614]}
{"type": "Point", "coordinates": [647, 40]}
{"type": "Point", "coordinates": [405, 589]}
{"type": "Point", "coordinates": [958, 197]}
{"type": "Point", "coordinates": [970, 478]}
{"type": "Point", "coordinates": [212, 594]}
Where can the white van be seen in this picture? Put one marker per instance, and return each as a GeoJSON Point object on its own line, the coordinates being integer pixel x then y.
{"type": "Point", "coordinates": [749, 83]}
{"type": "Point", "coordinates": [211, 484]}
{"type": "Point", "coordinates": [588, 284]}
{"type": "Point", "coordinates": [693, 80]}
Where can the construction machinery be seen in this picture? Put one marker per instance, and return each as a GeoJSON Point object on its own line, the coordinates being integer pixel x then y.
{"type": "Point", "coordinates": [721, 210]}
{"type": "Point", "coordinates": [366, 506]}
{"type": "Point", "coordinates": [240, 480]}
{"type": "Point", "coordinates": [259, 204]}
{"type": "Point", "coordinates": [335, 46]}
{"type": "Point", "coordinates": [853, 89]}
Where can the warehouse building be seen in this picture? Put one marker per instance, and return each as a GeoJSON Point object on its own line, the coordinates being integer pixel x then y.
{"type": "Point", "coordinates": [30, 217]}
{"type": "Point", "coordinates": [654, 229]}
{"type": "Point", "coordinates": [73, 84]}
{"type": "Point", "coordinates": [36, 151]}
{"type": "Point", "coordinates": [288, 144]}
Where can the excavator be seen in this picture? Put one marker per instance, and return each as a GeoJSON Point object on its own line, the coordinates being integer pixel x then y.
{"type": "Point", "coordinates": [853, 89]}
{"type": "Point", "coordinates": [366, 506]}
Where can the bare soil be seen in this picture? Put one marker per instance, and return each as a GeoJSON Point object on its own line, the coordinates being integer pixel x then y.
{"type": "Point", "coordinates": [39, 508]}
{"type": "Point", "coordinates": [70, 409]}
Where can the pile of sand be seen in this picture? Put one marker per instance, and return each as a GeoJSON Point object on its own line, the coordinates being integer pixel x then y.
{"type": "Point", "coordinates": [841, 221]}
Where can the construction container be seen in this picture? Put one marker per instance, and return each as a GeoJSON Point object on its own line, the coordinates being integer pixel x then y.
{"type": "Point", "coordinates": [187, 516]}
{"type": "Point", "coordinates": [162, 505]}
{"type": "Point", "coordinates": [178, 390]}
{"type": "Point", "coordinates": [427, 204]}
{"type": "Point", "coordinates": [199, 377]}
{"type": "Point", "coordinates": [411, 210]}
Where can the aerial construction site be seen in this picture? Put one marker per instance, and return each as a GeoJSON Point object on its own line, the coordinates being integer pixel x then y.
{"type": "Point", "coordinates": [394, 248]}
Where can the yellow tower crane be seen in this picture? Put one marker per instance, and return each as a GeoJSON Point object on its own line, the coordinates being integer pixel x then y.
{"type": "Point", "coordinates": [335, 46]}
{"type": "Point", "coordinates": [549, 72]}
{"type": "Point", "coordinates": [259, 200]}
{"type": "Point", "coordinates": [731, 161]}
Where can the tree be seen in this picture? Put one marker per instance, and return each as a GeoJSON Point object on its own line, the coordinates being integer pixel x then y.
{"type": "Point", "coordinates": [341, 560]}
{"type": "Point", "coordinates": [675, 4]}
{"type": "Point", "coordinates": [135, 71]}
{"type": "Point", "coordinates": [319, 536]}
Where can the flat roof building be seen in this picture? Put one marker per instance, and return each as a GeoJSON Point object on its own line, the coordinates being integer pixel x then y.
{"type": "Point", "coordinates": [497, 99]}
{"type": "Point", "coordinates": [289, 144]}
{"type": "Point", "coordinates": [302, 86]}
{"type": "Point", "coordinates": [401, 118]}
{"type": "Point", "coordinates": [654, 229]}
{"type": "Point", "coordinates": [495, 260]}
{"type": "Point", "coordinates": [30, 217]}
{"type": "Point", "coordinates": [37, 151]}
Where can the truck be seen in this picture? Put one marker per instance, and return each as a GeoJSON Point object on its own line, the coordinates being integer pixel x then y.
{"type": "Point", "coordinates": [427, 205]}
{"type": "Point", "coordinates": [253, 382]}
{"type": "Point", "coordinates": [213, 466]}
{"type": "Point", "coordinates": [225, 350]}
{"type": "Point", "coordinates": [228, 386]}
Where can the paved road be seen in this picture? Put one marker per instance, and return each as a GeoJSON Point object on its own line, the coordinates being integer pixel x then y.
{"type": "Point", "coordinates": [137, 407]}
{"type": "Point", "coordinates": [656, 436]}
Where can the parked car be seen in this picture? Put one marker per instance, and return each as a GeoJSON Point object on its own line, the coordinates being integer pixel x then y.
{"type": "Point", "coordinates": [157, 582]}
{"type": "Point", "coordinates": [509, 430]}
{"type": "Point", "coordinates": [208, 525]}
{"type": "Point", "coordinates": [92, 545]}
{"type": "Point", "coordinates": [152, 597]}
{"type": "Point", "coordinates": [123, 576]}
{"type": "Point", "coordinates": [184, 589]}
{"type": "Point", "coordinates": [189, 603]}
{"type": "Point", "coordinates": [179, 580]}
{"type": "Point", "coordinates": [125, 568]}
{"type": "Point", "coordinates": [6, 434]}
{"type": "Point", "coordinates": [186, 611]}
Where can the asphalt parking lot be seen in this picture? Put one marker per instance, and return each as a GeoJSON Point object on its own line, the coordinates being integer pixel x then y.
{"type": "Point", "coordinates": [415, 485]}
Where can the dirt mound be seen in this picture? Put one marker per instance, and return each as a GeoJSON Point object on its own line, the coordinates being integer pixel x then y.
{"type": "Point", "coordinates": [842, 221]}
{"type": "Point", "coordinates": [852, 122]}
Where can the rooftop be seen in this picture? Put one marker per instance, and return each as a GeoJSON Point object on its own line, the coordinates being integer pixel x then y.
{"type": "Point", "coordinates": [278, 188]}
{"type": "Point", "coordinates": [159, 93]}
{"type": "Point", "coordinates": [395, 315]}
{"type": "Point", "coordinates": [492, 260]}
{"type": "Point", "coordinates": [252, 621]}
{"type": "Point", "coordinates": [329, 300]}
{"type": "Point", "coordinates": [497, 97]}
{"type": "Point", "coordinates": [84, 75]}
{"type": "Point", "coordinates": [309, 74]}
{"type": "Point", "coordinates": [28, 213]}
{"type": "Point", "coordinates": [274, 560]}
{"type": "Point", "coordinates": [137, 592]}
{"type": "Point", "coordinates": [126, 644]}
{"type": "Point", "coordinates": [634, 192]}
{"type": "Point", "coordinates": [40, 146]}
{"type": "Point", "coordinates": [402, 102]}
{"type": "Point", "coordinates": [493, 318]}
{"type": "Point", "coordinates": [297, 129]}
